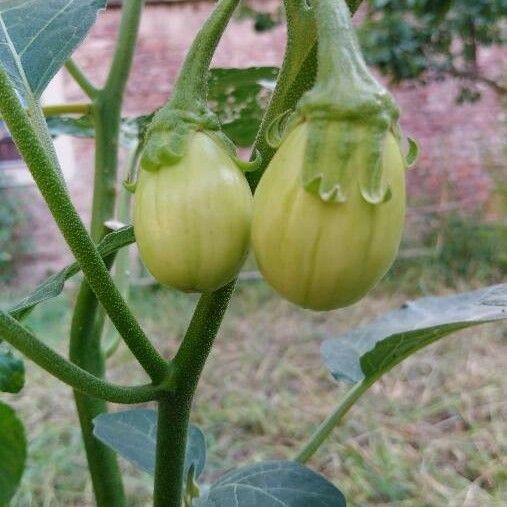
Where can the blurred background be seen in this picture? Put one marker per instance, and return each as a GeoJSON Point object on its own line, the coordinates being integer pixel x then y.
{"type": "Point", "coordinates": [434, 432]}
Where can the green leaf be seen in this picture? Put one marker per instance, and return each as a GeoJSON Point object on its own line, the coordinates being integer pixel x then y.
{"type": "Point", "coordinates": [12, 452]}
{"type": "Point", "coordinates": [131, 129]}
{"type": "Point", "coordinates": [413, 152]}
{"type": "Point", "coordinates": [133, 435]}
{"type": "Point", "coordinates": [68, 126]}
{"type": "Point", "coordinates": [12, 373]}
{"type": "Point", "coordinates": [53, 286]}
{"type": "Point", "coordinates": [273, 484]}
{"type": "Point", "coordinates": [239, 97]}
{"type": "Point", "coordinates": [38, 36]}
{"type": "Point", "coordinates": [368, 352]}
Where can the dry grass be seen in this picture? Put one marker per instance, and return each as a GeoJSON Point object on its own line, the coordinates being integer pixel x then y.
{"type": "Point", "coordinates": [433, 433]}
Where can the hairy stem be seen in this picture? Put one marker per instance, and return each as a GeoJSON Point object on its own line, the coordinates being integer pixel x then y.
{"type": "Point", "coordinates": [173, 421]}
{"type": "Point", "coordinates": [121, 268]}
{"type": "Point", "coordinates": [28, 344]}
{"type": "Point", "coordinates": [49, 182]}
{"type": "Point", "coordinates": [190, 89]}
{"type": "Point", "coordinates": [297, 74]}
{"type": "Point", "coordinates": [88, 320]}
{"type": "Point", "coordinates": [174, 412]}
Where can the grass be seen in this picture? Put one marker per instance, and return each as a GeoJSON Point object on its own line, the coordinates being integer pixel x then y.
{"type": "Point", "coordinates": [432, 433]}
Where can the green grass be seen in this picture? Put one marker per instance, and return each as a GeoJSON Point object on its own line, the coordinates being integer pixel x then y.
{"type": "Point", "coordinates": [432, 433]}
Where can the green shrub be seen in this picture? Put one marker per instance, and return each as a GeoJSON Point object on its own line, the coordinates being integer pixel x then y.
{"type": "Point", "coordinates": [471, 249]}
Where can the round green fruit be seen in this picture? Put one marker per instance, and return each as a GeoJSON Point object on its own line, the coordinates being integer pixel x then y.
{"type": "Point", "coordinates": [325, 255]}
{"type": "Point", "coordinates": [192, 219]}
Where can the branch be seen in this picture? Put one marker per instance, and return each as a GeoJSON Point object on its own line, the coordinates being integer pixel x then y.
{"type": "Point", "coordinates": [330, 423]}
{"type": "Point", "coordinates": [79, 77]}
{"type": "Point", "coordinates": [27, 343]}
{"type": "Point", "coordinates": [125, 46]}
{"type": "Point", "coordinates": [475, 76]}
{"type": "Point", "coordinates": [45, 172]}
{"type": "Point", "coordinates": [59, 109]}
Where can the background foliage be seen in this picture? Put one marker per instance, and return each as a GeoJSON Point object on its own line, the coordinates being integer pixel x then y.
{"type": "Point", "coordinates": [433, 39]}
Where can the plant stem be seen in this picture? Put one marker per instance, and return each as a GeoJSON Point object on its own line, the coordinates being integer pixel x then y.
{"type": "Point", "coordinates": [296, 76]}
{"type": "Point", "coordinates": [28, 344]}
{"type": "Point", "coordinates": [190, 89]}
{"type": "Point", "coordinates": [330, 423]}
{"type": "Point", "coordinates": [85, 351]}
{"type": "Point", "coordinates": [346, 66]}
{"type": "Point", "coordinates": [125, 46]}
{"type": "Point", "coordinates": [172, 429]}
{"type": "Point", "coordinates": [80, 78]}
{"type": "Point", "coordinates": [88, 319]}
{"type": "Point", "coordinates": [59, 109]}
{"type": "Point", "coordinates": [121, 269]}
{"type": "Point", "coordinates": [174, 411]}
{"type": "Point", "coordinates": [194, 350]}
{"type": "Point", "coordinates": [48, 180]}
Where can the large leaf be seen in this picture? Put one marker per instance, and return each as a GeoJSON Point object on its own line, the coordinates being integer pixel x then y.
{"type": "Point", "coordinates": [133, 435]}
{"type": "Point", "coordinates": [12, 373]}
{"type": "Point", "coordinates": [273, 484]}
{"type": "Point", "coordinates": [38, 36]}
{"type": "Point", "coordinates": [53, 286]}
{"type": "Point", "coordinates": [12, 453]}
{"type": "Point", "coordinates": [368, 352]}
{"type": "Point", "coordinates": [239, 97]}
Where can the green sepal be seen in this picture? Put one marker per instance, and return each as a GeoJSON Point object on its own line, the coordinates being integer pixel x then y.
{"type": "Point", "coordinates": [192, 489]}
{"type": "Point", "coordinates": [168, 135]}
{"type": "Point", "coordinates": [248, 166]}
{"type": "Point", "coordinates": [278, 128]}
{"type": "Point", "coordinates": [244, 165]}
{"type": "Point", "coordinates": [348, 113]}
{"type": "Point", "coordinates": [130, 186]}
{"type": "Point", "coordinates": [344, 145]}
{"type": "Point", "coordinates": [412, 153]}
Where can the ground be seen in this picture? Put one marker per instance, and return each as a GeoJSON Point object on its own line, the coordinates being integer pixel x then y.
{"type": "Point", "coordinates": [431, 434]}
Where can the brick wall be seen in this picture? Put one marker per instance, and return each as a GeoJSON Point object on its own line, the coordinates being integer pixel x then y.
{"type": "Point", "coordinates": [460, 145]}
